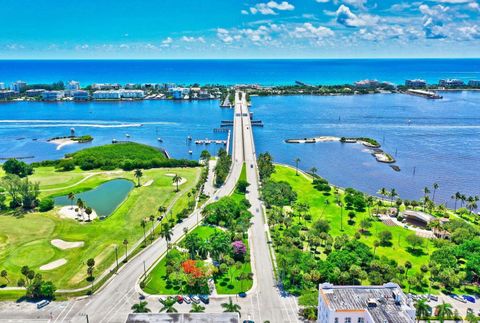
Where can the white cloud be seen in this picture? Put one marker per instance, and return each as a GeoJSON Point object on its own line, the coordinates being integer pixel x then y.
{"type": "Point", "coordinates": [322, 1]}
{"type": "Point", "coordinates": [453, 1]}
{"type": "Point", "coordinates": [166, 42]}
{"type": "Point", "coordinates": [188, 39]}
{"type": "Point", "coordinates": [224, 35]}
{"type": "Point", "coordinates": [271, 7]}
{"type": "Point", "coordinates": [308, 30]}
{"type": "Point", "coordinates": [474, 6]}
{"type": "Point", "coordinates": [347, 18]}
{"type": "Point", "coordinates": [434, 20]}
{"type": "Point", "coordinates": [470, 32]}
{"type": "Point", "coordinates": [244, 12]}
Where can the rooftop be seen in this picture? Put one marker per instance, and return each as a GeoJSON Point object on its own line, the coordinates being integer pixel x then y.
{"type": "Point", "coordinates": [184, 318]}
{"type": "Point", "coordinates": [385, 303]}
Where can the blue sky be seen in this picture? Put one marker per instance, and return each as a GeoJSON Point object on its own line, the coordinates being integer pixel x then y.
{"type": "Point", "coordinates": [239, 29]}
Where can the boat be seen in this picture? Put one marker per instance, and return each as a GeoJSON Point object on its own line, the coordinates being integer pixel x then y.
{"type": "Point", "coordinates": [159, 139]}
{"type": "Point", "coordinates": [127, 135]}
{"type": "Point", "coordinates": [189, 138]}
{"type": "Point", "coordinates": [190, 152]}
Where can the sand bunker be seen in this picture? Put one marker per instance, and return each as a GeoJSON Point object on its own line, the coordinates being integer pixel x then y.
{"type": "Point", "coordinates": [69, 212]}
{"type": "Point", "coordinates": [148, 183]}
{"type": "Point", "coordinates": [182, 180]}
{"type": "Point", "coordinates": [61, 244]}
{"type": "Point", "coordinates": [54, 264]}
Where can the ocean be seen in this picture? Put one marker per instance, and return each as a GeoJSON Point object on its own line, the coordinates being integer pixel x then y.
{"type": "Point", "coordinates": [228, 72]}
{"type": "Point", "coordinates": [432, 140]}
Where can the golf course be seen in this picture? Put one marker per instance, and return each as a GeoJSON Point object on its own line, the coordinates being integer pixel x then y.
{"type": "Point", "coordinates": [58, 247]}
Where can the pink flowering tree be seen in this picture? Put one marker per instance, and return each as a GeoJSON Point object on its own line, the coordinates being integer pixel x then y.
{"type": "Point", "coordinates": [239, 249]}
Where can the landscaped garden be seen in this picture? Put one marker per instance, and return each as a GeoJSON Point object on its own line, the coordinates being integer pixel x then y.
{"type": "Point", "coordinates": [324, 234]}
{"type": "Point", "coordinates": [61, 249]}
{"type": "Point", "coordinates": [216, 251]}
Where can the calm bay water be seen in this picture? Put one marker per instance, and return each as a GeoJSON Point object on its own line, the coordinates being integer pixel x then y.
{"type": "Point", "coordinates": [266, 72]}
{"type": "Point", "coordinates": [441, 141]}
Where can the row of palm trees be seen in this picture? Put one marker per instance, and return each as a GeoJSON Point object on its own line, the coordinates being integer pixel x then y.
{"type": "Point", "coordinates": [428, 201]}
{"type": "Point", "coordinates": [168, 306]}
{"type": "Point", "coordinates": [444, 311]}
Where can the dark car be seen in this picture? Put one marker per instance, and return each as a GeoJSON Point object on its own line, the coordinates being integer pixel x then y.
{"type": "Point", "coordinates": [179, 299]}
{"type": "Point", "coordinates": [242, 294]}
{"type": "Point", "coordinates": [204, 299]}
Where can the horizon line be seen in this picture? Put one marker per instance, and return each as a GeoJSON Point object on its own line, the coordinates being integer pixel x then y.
{"type": "Point", "coordinates": [237, 59]}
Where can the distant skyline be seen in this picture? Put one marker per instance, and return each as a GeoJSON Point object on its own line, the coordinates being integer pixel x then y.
{"type": "Point", "coordinates": [231, 29]}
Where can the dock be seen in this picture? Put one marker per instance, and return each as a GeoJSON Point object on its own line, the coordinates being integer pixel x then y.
{"type": "Point", "coordinates": [423, 93]}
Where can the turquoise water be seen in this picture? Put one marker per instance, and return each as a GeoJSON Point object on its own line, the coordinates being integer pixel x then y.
{"type": "Point", "coordinates": [104, 199]}
{"type": "Point", "coordinates": [255, 71]}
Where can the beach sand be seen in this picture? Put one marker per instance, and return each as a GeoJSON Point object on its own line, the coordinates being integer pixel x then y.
{"type": "Point", "coordinates": [69, 212]}
{"type": "Point", "coordinates": [61, 142]}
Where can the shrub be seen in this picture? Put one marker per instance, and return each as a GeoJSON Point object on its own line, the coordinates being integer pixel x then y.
{"type": "Point", "coordinates": [17, 167]}
{"type": "Point", "coordinates": [46, 205]}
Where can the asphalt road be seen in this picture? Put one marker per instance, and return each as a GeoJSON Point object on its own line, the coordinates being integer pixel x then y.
{"type": "Point", "coordinates": [113, 301]}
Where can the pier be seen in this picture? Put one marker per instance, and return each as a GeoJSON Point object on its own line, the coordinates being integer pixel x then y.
{"type": "Point", "coordinates": [423, 93]}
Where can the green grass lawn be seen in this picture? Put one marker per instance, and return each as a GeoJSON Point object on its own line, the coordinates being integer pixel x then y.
{"type": "Point", "coordinates": [157, 282]}
{"type": "Point", "coordinates": [318, 209]}
{"type": "Point", "coordinates": [25, 240]}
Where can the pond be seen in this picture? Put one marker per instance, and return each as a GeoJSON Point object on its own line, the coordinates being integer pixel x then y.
{"type": "Point", "coordinates": [104, 199]}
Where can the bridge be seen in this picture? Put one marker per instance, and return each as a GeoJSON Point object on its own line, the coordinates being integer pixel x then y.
{"type": "Point", "coordinates": [113, 301]}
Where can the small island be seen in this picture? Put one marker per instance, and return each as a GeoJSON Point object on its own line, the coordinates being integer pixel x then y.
{"type": "Point", "coordinates": [370, 143]}
{"type": "Point", "coordinates": [68, 140]}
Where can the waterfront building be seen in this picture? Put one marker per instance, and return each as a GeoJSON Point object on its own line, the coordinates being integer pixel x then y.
{"type": "Point", "coordinates": [34, 92]}
{"type": "Point", "coordinates": [130, 86]}
{"type": "Point", "coordinates": [71, 87]}
{"type": "Point", "coordinates": [179, 93]}
{"type": "Point", "coordinates": [415, 83]}
{"type": "Point", "coordinates": [52, 95]}
{"type": "Point", "coordinates": [132, 94]}
{"type": "Point", "coordinates": [474, 83]}
{"type": "Point", "coordinates": [107, 95]}
{"type": "Point", "coordinates": [2, 86]}
{"type": "Point", "coordinates": [451, 83]}
{"type": "Point", "coordinates": [19, 86]}
{"type": "Point", "coordinates": [367, 84]}
{"type": "Point", "coordinates": [81, 95]}
{"type": "Point", "coordinates": [364, 304]}
{"type": "Point", "coordinates": [6, 94]}
{"type": "Point", "coordinates": [106, 86]}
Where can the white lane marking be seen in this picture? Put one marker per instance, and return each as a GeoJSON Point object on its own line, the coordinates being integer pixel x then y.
{"type": "Point", "coordinates": [119, 302]}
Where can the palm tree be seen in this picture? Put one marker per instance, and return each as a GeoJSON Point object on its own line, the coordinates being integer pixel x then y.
{"type": "Point", "coordinates": [423, 309]}
{"type": "Point", "coordinates": [168, 305]}
{"type": "Point", "coordinates": [138, 174]}
{"type": "Point", "coordinates": [463, 198]}
{"type": "Point", "coordinates": [313, 170]}
{"type": "Point", "coordinates": [166, 233]}
{"type": "Point", "coordinates": [176, 179]}
{"type": "Point", "coordinates": [376, 243]}
{"type": "Point", "coordinates": [125, 243]}
{"type": "Point", "coordinates": [435, 188]}
{"type": "Point", "coordinates": [152, 220]}
{"type": "Point", "coordinates": [445, 310]}
{"type": "Point", "coordinates": [162, 209]}
{"type": "Point", "coordinates": [383, 192]}
{"type": "Point", "coordinates": [89, 212]}
{"type": "Point", "coordinates": [143, 224]}
{"type": "Point", "coordinates": [458, 195]}
{"type": "Point", "coordinates": [393, 193]}
{"type": "Point", "coordinates": [197, 308]}
{"type": "Point", "coordinates": [297, 160]}
{"type": "Point", "coordinates": [471, 318]}
{"type": "Point", "coordinates": [80, 205]}
{"type": "Point", "coordinates": [426, 191]}
{"type": "Point", "coordinates": [231, 307]}
{"type": "Point", "coordinates": [140, 308]}
{"type": "Point", "coordinates": [71, 197]}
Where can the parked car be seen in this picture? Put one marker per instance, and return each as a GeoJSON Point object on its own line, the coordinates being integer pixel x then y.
{"type": "Point", "coordinates": [433, 298]}
{"type": "Point", "coordinates": [204, 299]}
{"type": "Point", "coordinates": [179, 299]}
{"type": "Point", "coordinates": [242, 294]}
{"type": "Point", "coordinates": [141, 296]}
{"type": "Point", "coordinates": [469, 298]}
{"type": "Point", "coordinates": [195, 299]}
{"type": "Point", "coordinates": [187, 299]}
{"type": "Point", "coordinates": [43, 303]}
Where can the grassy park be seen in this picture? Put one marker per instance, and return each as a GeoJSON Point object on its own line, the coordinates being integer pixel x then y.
{"type": "Point", "coordinates": [25, 237]}
{"type": "Point", "coordinates": [321, 233]}
{"type": "Point", "coordinates": [210, 248]}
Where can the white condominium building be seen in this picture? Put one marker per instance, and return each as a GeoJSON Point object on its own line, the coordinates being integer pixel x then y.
{"type": "Point", "coordinates": [364, 304]}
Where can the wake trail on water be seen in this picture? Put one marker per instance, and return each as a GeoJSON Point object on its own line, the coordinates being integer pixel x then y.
{"type": "Point", "coordinates": [75, 123]}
